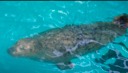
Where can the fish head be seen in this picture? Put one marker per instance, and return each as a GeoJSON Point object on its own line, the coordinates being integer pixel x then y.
{"type": "Point", "coordinates": [23, 48]}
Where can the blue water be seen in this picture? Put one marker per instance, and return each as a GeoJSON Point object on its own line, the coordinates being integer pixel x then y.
{"type": "Point", "coordinates": [24, 19]}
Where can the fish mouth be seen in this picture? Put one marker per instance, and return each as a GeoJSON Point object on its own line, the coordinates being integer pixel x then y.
{"type": "Point", "coordinates": [11, 51]}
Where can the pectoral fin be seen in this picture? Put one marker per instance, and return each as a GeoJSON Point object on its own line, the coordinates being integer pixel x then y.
{"type": "Point", "coordinates": [65, 65]}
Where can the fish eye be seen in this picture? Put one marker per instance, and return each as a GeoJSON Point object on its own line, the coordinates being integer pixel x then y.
{"type": "Point", "coordinates": [22, 48]}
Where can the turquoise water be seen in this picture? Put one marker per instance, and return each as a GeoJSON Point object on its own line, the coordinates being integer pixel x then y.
{"type": "Point", "coordinates": [25, 19]}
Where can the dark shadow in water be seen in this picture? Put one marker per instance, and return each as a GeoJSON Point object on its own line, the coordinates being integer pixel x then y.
{"type": "Point", "coordinates": [120, 65]}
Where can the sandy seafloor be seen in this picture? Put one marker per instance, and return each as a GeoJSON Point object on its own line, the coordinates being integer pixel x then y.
{"type": "Point", "coordinates": [25, 19]}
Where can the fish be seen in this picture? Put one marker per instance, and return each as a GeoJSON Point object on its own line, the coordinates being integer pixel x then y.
{"type": "Point", "coordinates": [60, 45]}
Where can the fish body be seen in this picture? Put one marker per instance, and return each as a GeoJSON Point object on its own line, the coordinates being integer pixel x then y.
{"type": "Point", "coordinates": [61, 45]}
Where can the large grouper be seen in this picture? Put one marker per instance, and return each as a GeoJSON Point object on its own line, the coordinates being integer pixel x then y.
{"type": "Point", "coordinates": [60, 45]}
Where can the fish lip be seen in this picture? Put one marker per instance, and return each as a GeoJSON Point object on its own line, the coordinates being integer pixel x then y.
{"type": "Point", "coordinates": [10, 51]}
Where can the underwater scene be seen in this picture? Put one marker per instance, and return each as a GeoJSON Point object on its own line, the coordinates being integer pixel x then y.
{"type": "Point", "coordinates": [63, 37]}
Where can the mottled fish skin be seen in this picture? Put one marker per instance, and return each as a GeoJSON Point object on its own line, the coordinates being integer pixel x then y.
{"type": "Point", "coordinates": [63, 44]}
